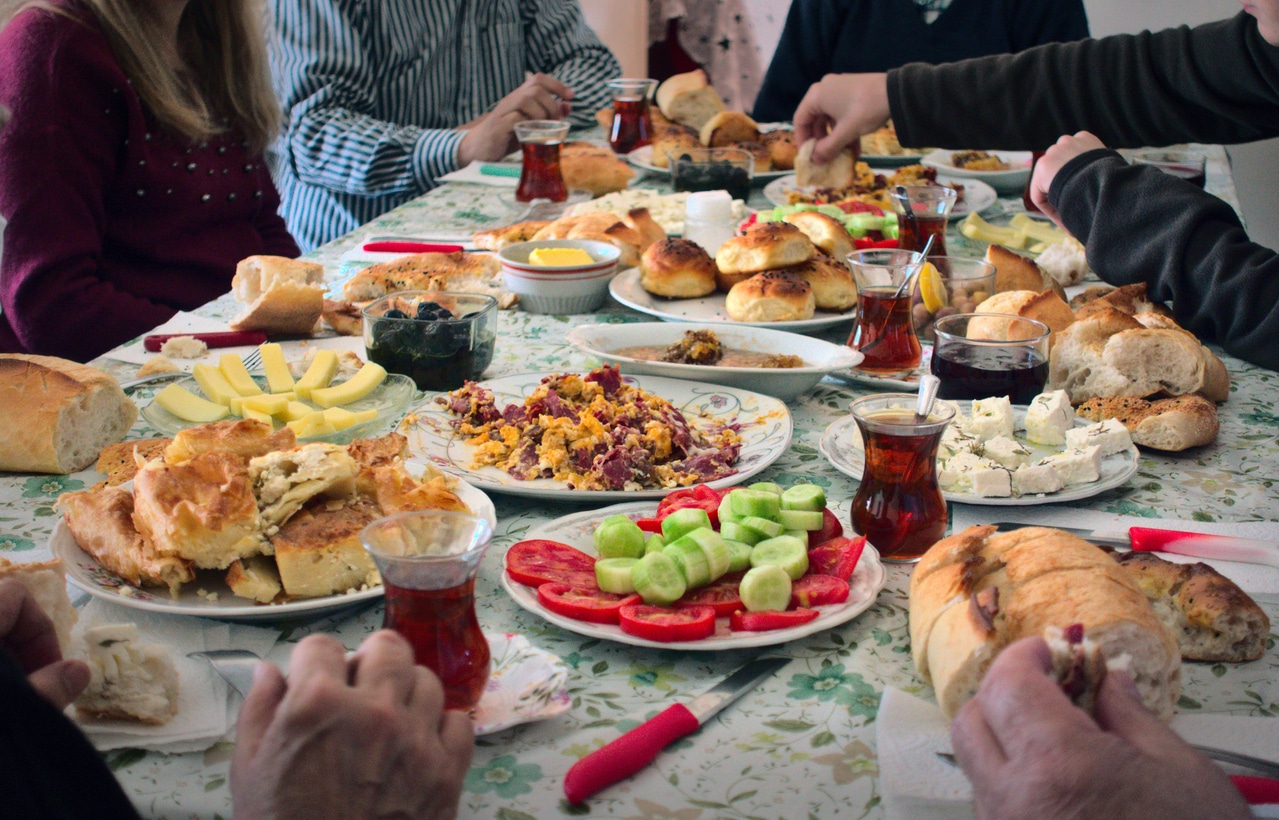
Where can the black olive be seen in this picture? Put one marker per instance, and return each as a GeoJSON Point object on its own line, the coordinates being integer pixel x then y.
{"type": "Point", "coordinates": [395, 313]}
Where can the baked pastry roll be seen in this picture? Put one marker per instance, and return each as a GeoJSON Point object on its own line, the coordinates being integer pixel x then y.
{"type": "Point", "coordinates": [677, 268]}
{"type": "Point", "coordinates": [826, 232]}
{"type": "Point", "coordinates": [765, 246]}
{"type": "Point", "coordinates": [283, 481]}
{"type": "Point", "coordinates": [832, 283]}
{"type": "Point", "coordinates": [782, 148]}
{"type": "Point", "coordinates": [102, 522]}
{"type": "Point", "coordinates": [397, 491]}
{"type": "Point", "coordinates": [245, 439]}
{"type": "Point", "coordinates": [775, 296]}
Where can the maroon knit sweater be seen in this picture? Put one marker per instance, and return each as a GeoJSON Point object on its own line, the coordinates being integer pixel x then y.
{"type": "Point", "coordinates": [113, 225]}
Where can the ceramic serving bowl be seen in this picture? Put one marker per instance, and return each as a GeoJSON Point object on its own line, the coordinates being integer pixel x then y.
{"type": "Point", "coordinates": [559, 289]}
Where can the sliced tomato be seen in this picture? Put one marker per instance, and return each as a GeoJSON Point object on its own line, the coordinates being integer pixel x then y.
{"type": "Point", "coordinates": [720, 596]}
{"type": "Point", "coordinates": [885, 244]}
{"type": "Point", "coordinates": [667, 624]}
{"type": "Point", "coordinates": [700, 497]}
{"type": "Point", "coordinates": [538, 561]}
{"type": "Point", "coordinates": [649, 524]}
{"type": "Point", "coordinates": [831, 528]}
{"type": "Point", "coordinates": [856, 206]}
{"type": "Point", "coordinates": [592, 605]}
{"type": "Point", "coordinates": [837, 557]}
{"type": "Point", "coordinates": [816, 590]}
{"type": "Point", "coordinates": [770, 619]}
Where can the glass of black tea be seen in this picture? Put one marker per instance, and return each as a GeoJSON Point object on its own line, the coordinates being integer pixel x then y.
{"type": "Point", "coordinates": [923, 211]}
{"type": "Point", "coordinates": [985, 355]}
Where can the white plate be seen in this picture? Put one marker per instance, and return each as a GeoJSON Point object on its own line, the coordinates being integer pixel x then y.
{"type": "Point", "coordinates": [626, 289]}
{"type": "Point", "coordinates": [765, 431]}
{"type": "Point", "coordinates": [890, 160]}
{"type": "Point", "coordinates": [977, 195]}
{"type": "Point", "coordinates": [842, 446]}
{"type": "Point", "coordinates": [642, 157]}
{"type": "Point", "coordinates": [526, 684]}
{"type": "Point", "coordinates": [575, 530]}
{"type": "Point", "coordinates": [906, 381]}
{"type": "Point", "coordinates": [85, 572]}
{"type": "Point", "coordinates": [784, 382]}
{"type": "Point", "coordinates": [1012, 181]}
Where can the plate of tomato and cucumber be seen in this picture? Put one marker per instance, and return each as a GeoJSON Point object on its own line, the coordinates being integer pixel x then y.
{"type": "Point", "coordinates": [700, 570]}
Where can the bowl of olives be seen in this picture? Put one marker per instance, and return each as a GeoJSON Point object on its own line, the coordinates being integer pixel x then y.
{"type": "Point", "coordinates": [948, 285]}
{"type": "Point", "coordinates": [439, 340]}
{"type": "Point", "coordinates": [713, 169]}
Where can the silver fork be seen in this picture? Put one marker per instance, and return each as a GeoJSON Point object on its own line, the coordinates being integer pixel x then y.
{"type": "Point", "coordinates": [253, 360]}
{"type": "Point", "coordinates": [234, 665]}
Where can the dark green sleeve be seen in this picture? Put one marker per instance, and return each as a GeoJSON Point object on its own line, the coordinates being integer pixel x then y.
{"type": "Point", "coordinates": [1216, 83]}
{"type": "Point", "coordinates": [1141, 225]}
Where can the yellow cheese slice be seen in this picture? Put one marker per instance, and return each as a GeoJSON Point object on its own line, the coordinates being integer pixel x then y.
{"type": "Point", "coordinates": [232, 366]}
{"type": "Point", "coordinates": [257, 415]}
{"type": "Point", "coordinates": [214, 384]}
{"type": "Point", "coordinates": [339, 417]}
{"type": "Point", "coordinates": [288, 395]}
{"type": "Point", "coordinates": [312, 425]}
{"type": "Point", "coordinates": [237, 406]}
{"type": "Point", "coordinates": [297, 410]}
{"type": "Point", "coordinates": [353, 389]}
{"type": "Point", "coordinates": [270, 405]}
{"type": "Point", "coordinates": [278, 377]}
{"type": "Point", "coordinates": [322, 370]}
{"type": "Point", "coordinates": [188, 406]}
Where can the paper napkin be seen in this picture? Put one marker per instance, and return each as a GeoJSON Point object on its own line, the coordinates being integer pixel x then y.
{"type": "Point", "coordinates": [472, 173]}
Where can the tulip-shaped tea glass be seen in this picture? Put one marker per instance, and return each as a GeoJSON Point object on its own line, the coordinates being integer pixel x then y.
{"type": "Point", "coordinates": [632, 121]}
{"type": "Point", "coordinates": [428, 561]}
{"type": "Point", "coordinates": [541, 177]}
{"type": "Point", "coordinates": [885, 333]}
{"type": "Point", "coordinates": [923, 211]}
{"type": "Point", "coordinates": [899, 506]}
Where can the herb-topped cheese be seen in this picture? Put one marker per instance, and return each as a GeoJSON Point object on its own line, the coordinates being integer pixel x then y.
{"type": "Point", "coordinates": [1049, 417]}
{"type": "Point", "coordinates": [1110, 435]}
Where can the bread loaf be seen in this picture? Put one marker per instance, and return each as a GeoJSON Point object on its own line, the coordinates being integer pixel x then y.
{"type": "Point", "coordinates": [1016, 272]}
{"type": "Point", "coordinates": [1045, 306]}
{"type": "Point", "coordinates": [726, 128]}
{"type": "Point", "coordinates": [58, 414]}
{"type": "Point", "coordinates": [840, 172]}
{"type": "Point", "coordinates": [688, 99]}
{"type": "Point", "coordinates": [1130, 299]}
{"type": "Point", "coordinates": [281, 295]}
{"type": "Point", "coordinates": [46, 581]}
{"type": "Point", "coordinates": [1164, 424]}
{"type": "Point", "coordinates": [974, 593]}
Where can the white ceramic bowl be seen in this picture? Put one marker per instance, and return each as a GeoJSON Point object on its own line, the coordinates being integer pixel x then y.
{"type": "Point", "coordinates": [783, 383]}
{"type": "Point", "coordinates": [559, 289]}
{"type": "Point", "coordinates": [1012, 181]}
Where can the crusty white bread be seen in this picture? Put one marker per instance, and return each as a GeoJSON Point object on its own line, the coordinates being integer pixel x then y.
{"type": "Point", "coordinates": [826, 232]}
{"type": "Point", "coordinates": [101, 521]}
{"type": "Point", "coordinates": [772, 296]}
{"type": "Point", "coordinates": [840, 172]}
{"type": "Point", "coordinates": [1130, 299]}
{"type": "Point", "coordinates": [726, 128]}
{"type": "Point", "coordinates": [280, 295]}
{"type": "Point", "coordinates": [974, 593]}
{"type": "Point", "coordinates": [1163, 424]}
{"type": "Point", "coordinates": [46, 581]}
{"type": "Point", "coordinates": [677, 269]}
{"type": "Point", "coordinates": [1209, 615]}
{"type": "Point", "coordinates": [765, 246]}
{"type": "Point", "coordinates": [129, 679]}
{"type": "Point", "coordinates": [1016, 272]}
{"type": "Point", "coordinates": [1044, 306]}
{"type": "Point", "coordinates": [155, 366]}
{"type": "Point", "coordinates": [58, 415]}
{"type": "Point", "coordinates": [688, 99]}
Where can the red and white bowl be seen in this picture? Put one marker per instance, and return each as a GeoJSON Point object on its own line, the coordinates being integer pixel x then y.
{"type": "Point", "coordinates": [559, 289]}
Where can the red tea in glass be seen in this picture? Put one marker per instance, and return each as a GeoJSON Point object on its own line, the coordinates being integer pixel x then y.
{"type": "Point", "coordinates": [899, 506]}
{"type": "Point", "coordinates": [540, 176]}
{"type": "Point", "coordinates": [885, 333]}
{"type": "Point", "coordinates": [632, 120]}
{"type": "Point", "coordinates": [912, 234]}
{"type": "Point", "coordinates": [428, 561]}
{"type": "Point", "coordinates": [923, 212]}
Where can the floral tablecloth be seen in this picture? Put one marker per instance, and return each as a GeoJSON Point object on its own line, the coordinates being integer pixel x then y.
{"type": "Point", "coordinates": [803, 743]}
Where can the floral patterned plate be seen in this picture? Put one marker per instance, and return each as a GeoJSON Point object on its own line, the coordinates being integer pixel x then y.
{"type": "Point", "coordinates": [764, 425]}
{"type": "Point", "coordinates": [576, 531]}
{"type": "Point", "coordinates": [526, 684]}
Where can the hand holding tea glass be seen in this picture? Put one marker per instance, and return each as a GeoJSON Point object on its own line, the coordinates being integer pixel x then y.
{"type": "Point", "coordinates": [986, 355]}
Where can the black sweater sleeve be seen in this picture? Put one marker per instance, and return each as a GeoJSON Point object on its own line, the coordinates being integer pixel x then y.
{"type": "Point", "coordinates": [1216, 83]}
{"type": "Point", "coordinates": [1142, 225]}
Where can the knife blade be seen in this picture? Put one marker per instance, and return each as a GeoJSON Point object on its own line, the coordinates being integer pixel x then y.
{"type": "Point", "coordinates": [637, 748]}
{"type": "Point", "coordinates": [1193, 544]}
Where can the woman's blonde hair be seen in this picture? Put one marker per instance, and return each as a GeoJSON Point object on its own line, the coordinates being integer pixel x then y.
{"type": "Point", "coordinates": [225, 83]}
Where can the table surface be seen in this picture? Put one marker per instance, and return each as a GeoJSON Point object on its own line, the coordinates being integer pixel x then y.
{"type": "Point", "coordinates": [802, 743]}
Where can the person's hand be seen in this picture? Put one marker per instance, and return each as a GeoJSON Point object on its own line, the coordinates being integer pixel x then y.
{"type": "Point", "coordinates": [1030, 752]}
{"type": "Point", "coordinates": [367, 738]}
{"type": "Point", "coordinates": [1066, 149]}
{"type": "Point", "coordinates": [839, 109]}
{"type": "Point", "coordinates": [28, 635]}
{"type": "Point", "coordinates": [541, 97]}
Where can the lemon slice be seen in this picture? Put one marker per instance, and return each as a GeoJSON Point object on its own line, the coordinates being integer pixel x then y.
{"type": "Point", "coordinates": [932, 288]}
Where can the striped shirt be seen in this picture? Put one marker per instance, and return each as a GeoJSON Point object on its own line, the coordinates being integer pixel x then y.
{"type": "Point", "coordinates": [373, 91]}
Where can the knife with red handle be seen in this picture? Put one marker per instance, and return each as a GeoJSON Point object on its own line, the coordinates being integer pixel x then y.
{"type": "Point", "coordinates": [1193, 544]}
{"type": "Point", "coordinates": [230, 338]}
{"type": "Point", "coordinates": [392, 246]}
{"type": "Point", "coordinates": [638, 747]}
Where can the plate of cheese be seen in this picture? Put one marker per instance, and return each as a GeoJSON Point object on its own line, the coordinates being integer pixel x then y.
{"type": "Point", "coordinates": [1002, 454]}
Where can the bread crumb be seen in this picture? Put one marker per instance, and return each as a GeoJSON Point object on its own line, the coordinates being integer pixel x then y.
{"type": "Point", "coordinates": [334, 504]}
{"type": "Point", "coordinates": [156, 365]}
{"type": "Point", "coordinates": [125, 591]}
{"type": "Point", "coordinates": [184, 347]}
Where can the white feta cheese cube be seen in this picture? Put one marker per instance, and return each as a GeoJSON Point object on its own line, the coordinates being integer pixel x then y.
{"type": "Point", "coordinates": [1077, 466]}
{"type": "Point", "coordinates": [991, 481]}
{"type": "Point", "coordinates": [1110, 435]}
{"type": "Point", "coordinates": [1049, 417]}
{"type": "Point", "coordinates": [1005, 452]}
{"type": "Point", "coordinates": [1036, 478]}
{"type": "Point", "coordinates": [953, 474]}
{"type": "Point", "coordinates": [991, 418]}
{"type": "Point", "coordinates": [955, 441]}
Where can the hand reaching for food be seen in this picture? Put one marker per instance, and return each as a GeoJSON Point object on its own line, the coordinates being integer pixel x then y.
{"type": "Point", "coordinates": [839, 109]}
{"type": "Point", "coordinates": [1066, 149]}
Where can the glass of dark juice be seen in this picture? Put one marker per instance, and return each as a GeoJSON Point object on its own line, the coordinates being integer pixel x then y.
{"type": "Point", "coordinates": [985, 355]}
{"type": "Point", "coordinates": [428, 561]}
{"type": "Point", "coordinates": [540, 174]}
{"type": "Point", "coordinates": [923, 211]}
{"type": "Point", "coordinates": [632, 120]}
{"type": "Point", "coordinates": [1188, 165]}
{"type": "Point", "coordinates": [885, 333]}
{"type": "Point", "coordinates": [899, 505]}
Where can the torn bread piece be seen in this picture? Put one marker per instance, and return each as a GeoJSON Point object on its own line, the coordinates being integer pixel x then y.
{"type": "Point", "coordinates": [282, 295]}
{"type": "Point", "coordinates": [47, 583]}
{"type": "Point", "coordinates": [130, 680]}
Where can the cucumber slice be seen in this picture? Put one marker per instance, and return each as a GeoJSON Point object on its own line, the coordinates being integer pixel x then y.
{"type": "Point", "coordinates": [736, 532]}
{"type": "Point", "coordinates": [717, 554]}
{"type": "Point", "coordinates": [619, 537]}
{"type": "Point", "coordinates": [682, 522]}
{"type": "Point", "coordinates": [739, 555]}
{"type": "Point", "coordinates": [767, 487]}
{"type": "Point", "coordinates": [755, 503]}
{"type": "Point", "coordinates": [765, 527]}
{"type": "Point", "coordinates": [785, 551]}
{"type": "Point", "coordinates": [766, 587]}
{"type": "Point", "coordinates": [657, 580]}
{"type": "Point", "coordinates": [808, 497]}
{"type": "Point", "coordinates": [691, 561]}
{"type": "Point", "coordinates": [654, 543]}
{"type": "Point", "coordinates": [802, 535]}
{"type": "Point", "coordinates": [726, 510]}
{"type": "Point", "coordinates": [614, 574]}
{"type": "Point", "coordinates": [800, 519]}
